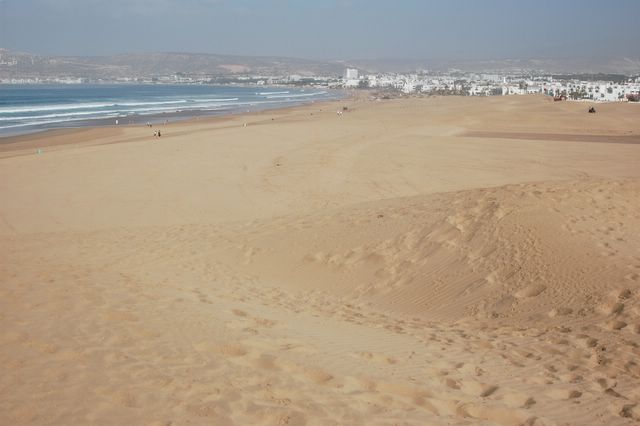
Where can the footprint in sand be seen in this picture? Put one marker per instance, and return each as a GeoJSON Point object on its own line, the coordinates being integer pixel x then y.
{"type": "Point", "coordinates": [266, 362]}
{"type": "Point", "coordinates": [612, 308]}
{"type": "Point", "coordinates": [473, 388]}
{"type": "Point", "coordinates": [215, 411]}
{"type": "Point", "coordinates": [563, 394]}
{"type": "Point", "coordinates": [287, 344]}
{"type": "Point", "coordinates": [233, 350]}
{"type": "Point", "coordinates": [530, 291]}
{"type": "Point", "coordinates": [606, 385]}
{"type": "Point", "coordinates": [469, 369]}
{"type": "Point", "coordinates": [616, 325]}
{"type": "Point", "coordinates": [518, 400]}
{"type": "Point", "coordinates": [352, 384]}
{"type": "Point", "coordinates": [570, 378]}
{"type": "Point", "coordinates": [499, 415]}
{"type": "Point", "coordinates": [585, 341]}
{"type": "Point", "coordinates": [630, 411]}
{"type": "Point", "coordinates": [624, 294]}
{"type": "Point", "coordinates": [263, 322]}
{"type": "Point", "coordinates": [451, 383]}
{"type": "Point", "coordinates": [561, 311]}
{"type": "Point", "coordinates": [317, 376]}
{"type": "Point", "coordinates": [380, 358]}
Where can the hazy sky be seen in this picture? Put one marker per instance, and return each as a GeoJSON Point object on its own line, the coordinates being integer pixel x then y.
{"type": "Point", "coordinates": [326, 29]}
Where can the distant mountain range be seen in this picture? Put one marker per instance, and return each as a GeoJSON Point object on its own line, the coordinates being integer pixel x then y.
{"type": "Point", "coordinates": [146, 65]}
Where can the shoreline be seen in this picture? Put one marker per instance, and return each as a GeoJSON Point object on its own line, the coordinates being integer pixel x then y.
{"type": "Point", "coordinates": [192, 106]}
{"type": "Point", "coordinates": [93, 135]}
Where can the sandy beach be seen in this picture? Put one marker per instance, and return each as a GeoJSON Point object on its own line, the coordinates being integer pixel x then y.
{"type": "Point", "coordinates": [443, 260]}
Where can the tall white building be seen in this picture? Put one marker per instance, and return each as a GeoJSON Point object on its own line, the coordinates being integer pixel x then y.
{"type": "Point", "coordinates": [351, 74]}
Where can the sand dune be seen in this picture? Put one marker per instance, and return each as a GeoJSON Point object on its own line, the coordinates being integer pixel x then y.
{"type": "Point", "coordinates": [386, 266]}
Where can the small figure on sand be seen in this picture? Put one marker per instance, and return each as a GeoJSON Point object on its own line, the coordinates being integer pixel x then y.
{"type": "Point", "coordinates": [592, 110]}
{"type": "Point", "coordinates": [159, 134]}
{"type": "Point", "coordinates": [155, 133]}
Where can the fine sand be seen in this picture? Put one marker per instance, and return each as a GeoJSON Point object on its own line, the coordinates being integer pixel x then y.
{"type": "Point", "coordinates": [415, 261]}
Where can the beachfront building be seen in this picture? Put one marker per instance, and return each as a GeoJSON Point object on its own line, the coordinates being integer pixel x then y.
{"type": "Point", "coordinates": [351, 74]}
{"type": "Point", "coordinates": [598, 91]}
{"type": "Point", "coordinates": [408, 87]}
{"type": "Point", "coordinates": [351, 79]}
{"type": "Point", "coordinates": [474, 84]}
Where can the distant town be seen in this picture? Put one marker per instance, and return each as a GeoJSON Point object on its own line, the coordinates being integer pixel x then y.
{"type": "Point", "coordinates": [595, 87]}
{"type": "Point", "coordinates": [16, 68]}
{"type": "Point", "coordinates": [599, 88]}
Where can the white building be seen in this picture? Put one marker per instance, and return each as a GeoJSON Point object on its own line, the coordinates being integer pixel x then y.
{"type": "Point", "coordinates": [351, 74]}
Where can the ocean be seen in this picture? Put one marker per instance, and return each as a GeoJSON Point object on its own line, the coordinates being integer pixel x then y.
{"type": "Point", "coordinates": [32, 108]}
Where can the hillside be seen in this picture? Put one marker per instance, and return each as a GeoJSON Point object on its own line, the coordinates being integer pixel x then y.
{"type": "Point", "coordinates": [148, 65]}
{"type": "Point", "coordinates": [23, 65]}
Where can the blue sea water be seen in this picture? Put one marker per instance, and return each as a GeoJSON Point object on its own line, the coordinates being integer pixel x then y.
{"type": "Point", "coordinates": [30, 108]}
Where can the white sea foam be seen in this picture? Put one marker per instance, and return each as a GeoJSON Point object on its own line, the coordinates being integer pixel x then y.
{"type": "Point", "coordinates": [64, 114]}
{"type": "Point", "coordinates": [298, 95]}
{"type": "Point", "coordinates": [215, 100]}
{"type": "Point", "coordinates": [181, 101]}
{"type": "Point", "coordinates": [57, 114]}
{"type": "Point", "coordinates": [54, 107]}
{"type": "Point", "coordinates": [36, 120]}
{"type": "Point", "coordinates": [45, 122]}
{"type": "Point", "coordinates": [88, 106]}
{"type": "Point", "coordinates": [273, 93]}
